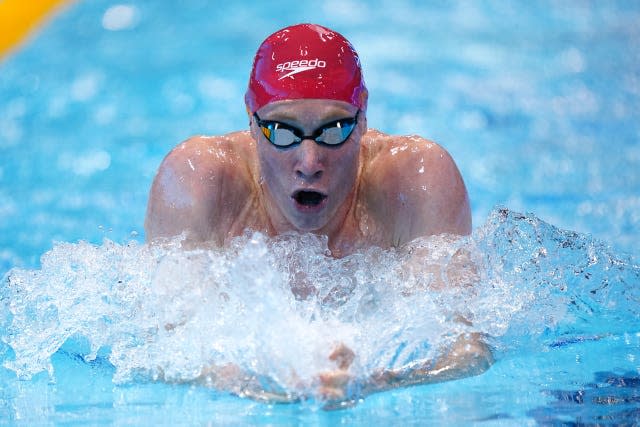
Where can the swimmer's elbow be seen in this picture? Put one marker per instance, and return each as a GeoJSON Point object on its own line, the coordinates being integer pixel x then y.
{"type": "Point", "coordinates": [469, 356]}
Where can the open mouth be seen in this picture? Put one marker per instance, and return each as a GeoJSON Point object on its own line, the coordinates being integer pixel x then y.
{"type": "Point", "coordinates": [309, 198]}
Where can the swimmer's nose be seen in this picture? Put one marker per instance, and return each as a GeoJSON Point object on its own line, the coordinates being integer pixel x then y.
{"type": "Point", "coordinates": [309, 161]}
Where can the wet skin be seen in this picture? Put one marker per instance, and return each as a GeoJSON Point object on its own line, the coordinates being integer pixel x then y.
{"type": "Point", "coordinates": [375, 189]}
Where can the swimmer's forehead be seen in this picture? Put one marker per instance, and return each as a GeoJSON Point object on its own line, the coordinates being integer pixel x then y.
{"type": "Point", "coordinates": [307, 109]}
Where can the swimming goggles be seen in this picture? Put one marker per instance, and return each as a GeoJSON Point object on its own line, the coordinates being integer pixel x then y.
{"type": "Point", "coordinates": [282, 135]}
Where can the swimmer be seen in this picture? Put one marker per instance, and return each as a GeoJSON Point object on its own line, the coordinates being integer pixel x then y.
{"type": "Point", "coordinates": [310, 164]}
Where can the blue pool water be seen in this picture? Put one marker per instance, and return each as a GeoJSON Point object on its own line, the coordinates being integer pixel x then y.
{"type": "Point", "coordinates": [538, 103]}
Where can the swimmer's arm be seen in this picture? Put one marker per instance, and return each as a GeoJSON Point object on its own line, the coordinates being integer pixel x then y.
{"type": "Point", "coordinates": [231, 378]}
{"type": "Point", "coordinates": [469, 356]}
{"type": "Point", "coordinates": [196, 190]}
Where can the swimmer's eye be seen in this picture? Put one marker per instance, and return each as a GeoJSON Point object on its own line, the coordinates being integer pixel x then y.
{"type": "Point", "coordinates": [337, 132]}
{"type": "Point", "coordinates": [283, 135]}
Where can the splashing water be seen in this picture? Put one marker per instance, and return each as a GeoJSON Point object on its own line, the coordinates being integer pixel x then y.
{"type": "Point", "coordinates": [276, 307]}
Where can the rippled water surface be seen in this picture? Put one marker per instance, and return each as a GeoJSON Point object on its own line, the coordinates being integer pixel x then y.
{"type": "Point", "coordinates": [538, 103]}
{"type": "Point", "coordinates": [107, 306]}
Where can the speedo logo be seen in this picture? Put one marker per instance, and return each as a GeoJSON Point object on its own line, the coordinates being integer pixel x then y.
{"type": "Point", "coordinates": [295, 67]}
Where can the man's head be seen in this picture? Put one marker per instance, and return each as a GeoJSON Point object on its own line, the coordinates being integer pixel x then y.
{"type": "Point", "coordinates": [307, 102]}
{"type": "Point", "coordinates": [305, 61]}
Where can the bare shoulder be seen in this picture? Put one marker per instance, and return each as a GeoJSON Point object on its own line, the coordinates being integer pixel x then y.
{"type": "Point", "coordinates": [410, 160]}
{"type": "Point", "coordinates": [210, 153]}
{"type": "Point", "coordinates": [416, 182]}
{"type": "Point", "coordinates": [402, 148]}
{"type": "Point", "coordinates": [194, 181]}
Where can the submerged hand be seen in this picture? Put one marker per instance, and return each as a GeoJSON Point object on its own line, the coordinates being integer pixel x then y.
{"type": "Point", "coordinates": [343, 356]}
{"type": "Point", "coordinates": [335, 384]}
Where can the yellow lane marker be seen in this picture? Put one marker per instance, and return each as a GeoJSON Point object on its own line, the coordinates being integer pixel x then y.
{"type": "Point", "coordinates": [18, 18]}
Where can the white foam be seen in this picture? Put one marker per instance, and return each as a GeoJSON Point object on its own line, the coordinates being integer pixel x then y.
{"type": "Point", "coordinates": [278, 307]}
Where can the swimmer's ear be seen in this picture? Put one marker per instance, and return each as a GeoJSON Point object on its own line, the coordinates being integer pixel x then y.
{"type": "Point", "coordinates": [251, 128]}
{"type": "Point", "coordinates": [364, 99]}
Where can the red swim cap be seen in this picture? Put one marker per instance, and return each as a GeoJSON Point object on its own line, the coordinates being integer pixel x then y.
{"type": "Point", "coordinates": [305, 61]}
